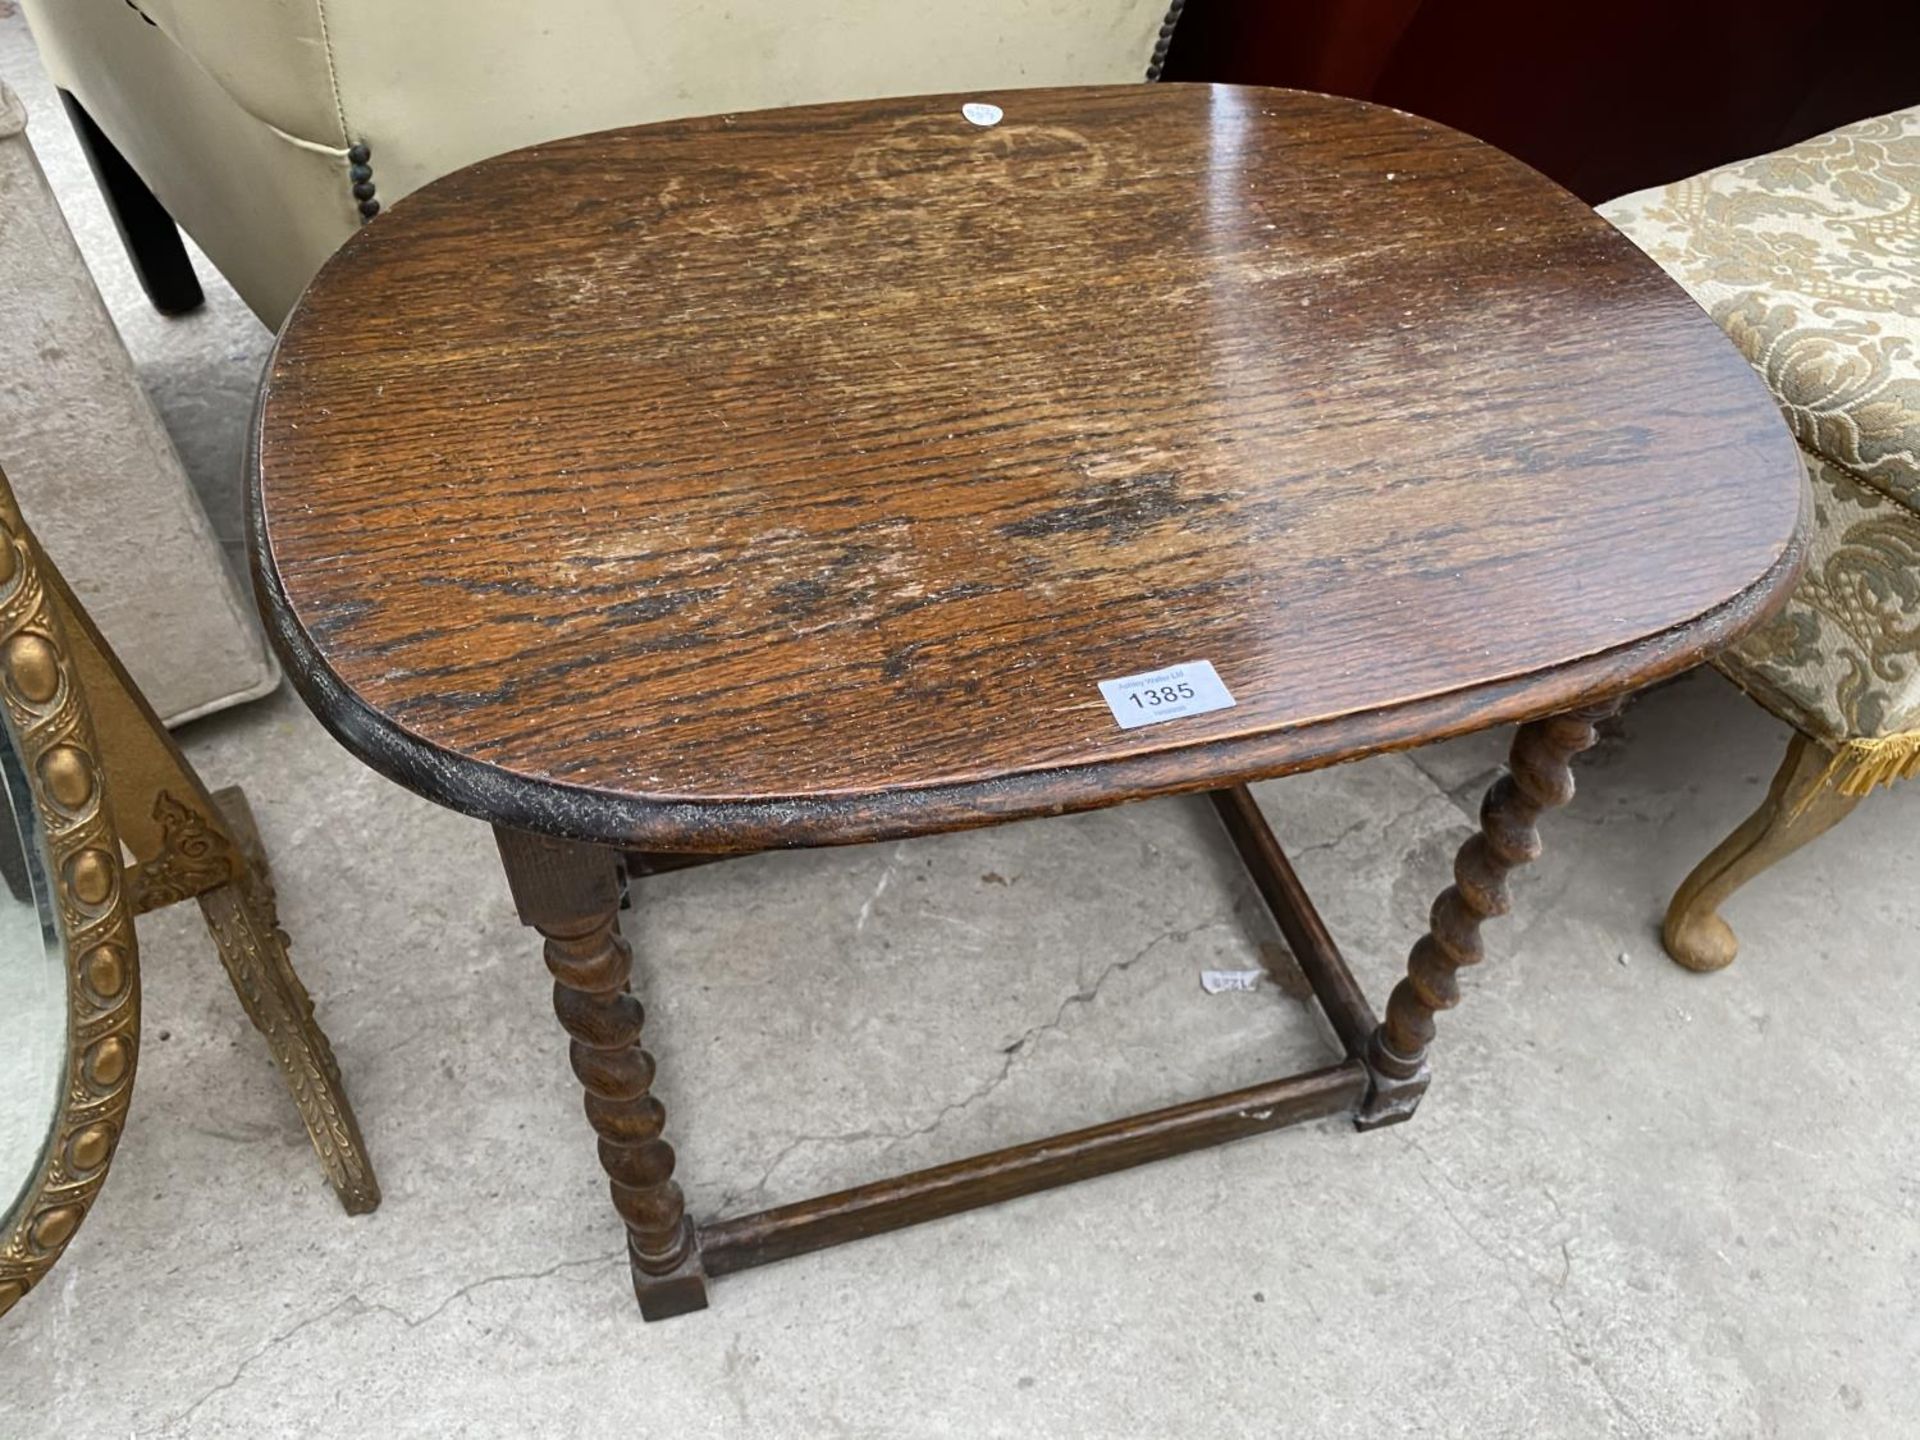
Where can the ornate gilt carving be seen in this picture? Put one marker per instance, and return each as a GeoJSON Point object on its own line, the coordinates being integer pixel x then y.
{"type": "Point", "coordinates": [48, 709]}
{"type": "Point", "coordinates": [244, 922]}
{"type": "Point", "coordinates": [187, 841]}
{"type": "Point", "coordinates": [195, 858]}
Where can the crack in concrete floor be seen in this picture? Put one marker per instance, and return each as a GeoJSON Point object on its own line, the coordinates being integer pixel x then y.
{"type": "Point", "coordinates": [356, 1305]}
{"type": "Point", "coordinates": [1809, 1335]}
{"type": "Point", "coordinates": [755, 1195]}
{"type": "Point", "coordinates": [1506, 1259]}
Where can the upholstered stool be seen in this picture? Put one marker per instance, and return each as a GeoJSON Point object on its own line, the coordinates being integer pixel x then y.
{"type": "Point", "coordinates": [1810, 259]}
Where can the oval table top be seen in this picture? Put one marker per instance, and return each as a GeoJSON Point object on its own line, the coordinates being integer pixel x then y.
{"type": "Point", "coordinates": [796, 477]}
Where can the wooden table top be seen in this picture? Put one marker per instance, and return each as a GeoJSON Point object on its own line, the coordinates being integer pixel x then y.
{"type": "Point", "coordinates": [796, 477]}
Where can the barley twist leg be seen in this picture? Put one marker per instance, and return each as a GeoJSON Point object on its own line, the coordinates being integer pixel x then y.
{"type": "Point", "coordinates": [1539, 778]}
{"type": "Point", "coordinates": [570, 894]}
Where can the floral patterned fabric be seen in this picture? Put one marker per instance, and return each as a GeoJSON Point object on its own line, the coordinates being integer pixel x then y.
{"type": "Point", "coordinates": [1809, 259]}
{"type": "Point", "coordinates": [1842, 659]}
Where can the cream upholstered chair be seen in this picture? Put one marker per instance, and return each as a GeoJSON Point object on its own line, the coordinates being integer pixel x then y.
{"type": "Point", "coordinates": [266, 127]}
{"type": "Point", "coordinates": [1810, 259]}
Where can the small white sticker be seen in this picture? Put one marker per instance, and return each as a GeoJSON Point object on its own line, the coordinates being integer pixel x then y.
{"type": "Point", "coordinates": [981, 113]}
{"type": "Point", "coordinates": [1216, 981]}
{"type": "Point", "coordinates": [1179, 690]}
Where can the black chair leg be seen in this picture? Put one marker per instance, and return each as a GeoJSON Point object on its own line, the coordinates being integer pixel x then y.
{"type": "Point", "coordinates": [152, 239]}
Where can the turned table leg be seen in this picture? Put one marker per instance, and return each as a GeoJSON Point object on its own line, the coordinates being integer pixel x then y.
{"type": "Point", "coordinates": [1539, 778]}
{"type": "Point", "coordinates": [570, 893]}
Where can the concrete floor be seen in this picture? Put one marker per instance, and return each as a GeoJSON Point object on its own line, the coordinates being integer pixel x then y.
{"type": "Point", "coordinates": [1637, 1202]}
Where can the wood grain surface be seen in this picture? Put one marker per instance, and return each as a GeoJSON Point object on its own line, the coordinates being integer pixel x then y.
{"type": "Point", "coordinates": [794, 477]}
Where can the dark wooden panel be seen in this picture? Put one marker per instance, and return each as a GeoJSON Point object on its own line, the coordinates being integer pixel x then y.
{"type": "Point", "coordinates": [794, 477]}
{"type": "Point", "coordinates": [1603, 98]}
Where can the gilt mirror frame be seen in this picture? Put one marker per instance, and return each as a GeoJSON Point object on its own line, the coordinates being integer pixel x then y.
{"type": "Point", "coordinates": [79, 889]}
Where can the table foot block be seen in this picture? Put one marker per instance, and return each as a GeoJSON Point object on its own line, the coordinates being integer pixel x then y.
{"type": "Point", "coordinates": [679, 1292]}
{"type": "Point", "coordinates": [1391, 1100]}
{"type": "Point", "coordinates": [884, 1205]}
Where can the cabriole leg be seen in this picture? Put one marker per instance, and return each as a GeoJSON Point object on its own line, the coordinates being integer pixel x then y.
{"type": "Point", "coordinates": [570, 893]}
{"type": "Point", "coordinates": [1802, 804]}
{"type": "Point", "coordinates": [1538, 779]}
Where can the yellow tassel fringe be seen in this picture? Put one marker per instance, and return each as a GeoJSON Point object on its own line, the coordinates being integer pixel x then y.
{"type": "Point", "coordinates": [1860, 765]}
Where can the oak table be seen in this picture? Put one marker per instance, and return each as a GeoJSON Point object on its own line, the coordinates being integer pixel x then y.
{"type": "Point", "coordinates": [796, 478]}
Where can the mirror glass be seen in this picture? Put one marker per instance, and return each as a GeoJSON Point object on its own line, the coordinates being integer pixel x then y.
{"type": "Point", "coordinates": [33, 986]}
